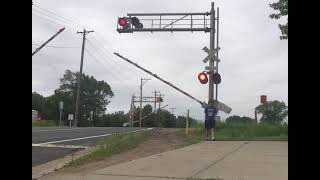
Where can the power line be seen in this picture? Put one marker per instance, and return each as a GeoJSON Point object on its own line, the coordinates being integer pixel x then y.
{"type": "Point", "coordinates": [103, 55]}
{"type": "Point", "coordinates": [57, 46]}
{"type": "Point", "coordinates": [103, 39]}
{"type": "Point", "coordinates": [107, 57]}
{"type": "Point", "coordinates": [48, 20]}
{"type": "Point", "coordinates": [62, 17]}
{"type": "Point", "coordinates": [71, 22]}
{"type": "Point", "coordinates": [71, 26]}
{"type": "Point", "coordinates": [116, 61]}
{"type": "Point", "coordinates": [95, 58]}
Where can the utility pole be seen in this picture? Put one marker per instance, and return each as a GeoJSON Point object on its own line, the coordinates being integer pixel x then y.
{"type": "Point", "coordinates": [172, 110]}
{"type": "Point", "coordinates": [155, 105]}
{"type": "Point", "coordinates": [255, 116]}
{"type": "Point", "coordinates": [155, 101]}
{"type": "Point", "coordinates": [159, 110]}
{"type": "Point", "coordinates": [131, 111]}
{"type": "Point", "coordinates": [142, 79]}
{"type": "Point", "coordinates": [187, 122]}
{"type": "Point", "coordinates": [60, 108]}
{"type": "Point", "coordinates": [84, 32]}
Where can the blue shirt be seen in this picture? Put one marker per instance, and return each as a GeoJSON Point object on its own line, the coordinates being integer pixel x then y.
{"type": "Point", "coordinates": [210, 112]}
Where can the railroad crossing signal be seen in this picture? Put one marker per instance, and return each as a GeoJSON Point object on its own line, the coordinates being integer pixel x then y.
{"type": "Point", "coordinates": [210, 68]}
{"type": "Point", "coordinates": [216, 78]}
{"type": "Point", "coordinates": [122, 21]}
{"type": "Point", "coordinates": [157, 23]}
{"type": "Point", "coordinates": [127, 23]}
{"type": "Point", "coordinates": [159, 99]}
{"type": "Point", "coordinates": [203, 78]}
{"type": "Point", "coordinates": [211, 54]}
{"type": "Point", "coordinates": [136, 22]}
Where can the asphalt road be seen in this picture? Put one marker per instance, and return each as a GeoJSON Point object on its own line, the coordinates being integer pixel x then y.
{"type": "Point", "coordinates": [87, 136]}
{"type": "Point", "coordinates": [42, 155]}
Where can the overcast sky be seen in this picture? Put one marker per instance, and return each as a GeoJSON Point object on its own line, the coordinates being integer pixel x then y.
{"type": "Point", "coordinates": [253, 59]}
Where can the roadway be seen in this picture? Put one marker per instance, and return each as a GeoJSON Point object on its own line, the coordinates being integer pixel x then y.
{"type": "Point", "coordinates": [52, 143]}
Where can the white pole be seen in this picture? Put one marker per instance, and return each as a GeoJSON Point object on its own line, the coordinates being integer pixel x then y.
{"type": "Point", "coordinates": [60, 118]}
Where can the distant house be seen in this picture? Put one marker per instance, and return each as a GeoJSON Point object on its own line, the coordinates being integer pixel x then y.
{"type": "Point", "coordinates": [35, 115]}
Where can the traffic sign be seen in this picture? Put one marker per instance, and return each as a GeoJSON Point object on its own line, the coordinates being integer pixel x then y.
{"type": "Point", "coordinates": [223, 107]}
{"type": "Point", "coordinates": [211, 54]}
{"type": "Point", "coordinates": [61, 105]}
{"type": "Point", "coordinates": [205, 49]}
{"type": "Point", "coordinates": [70, 117]}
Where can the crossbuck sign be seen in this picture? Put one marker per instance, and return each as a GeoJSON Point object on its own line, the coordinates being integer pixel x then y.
{"type": "Point", "coordinates": [211, 54]}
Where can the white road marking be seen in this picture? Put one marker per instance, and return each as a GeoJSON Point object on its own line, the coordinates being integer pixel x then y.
{"type": "Point", "coordinates": [75, 139]}
{"type": "Point", "coordinates": [60, 146]}
{"type": "Point", "coordinates": [45, 130]}
{"type": "Point", "coordinates": [89, 137]}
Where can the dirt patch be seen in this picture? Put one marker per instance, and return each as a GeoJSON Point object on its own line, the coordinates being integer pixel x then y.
{"type": "Point", "coordinates": [159, 140]}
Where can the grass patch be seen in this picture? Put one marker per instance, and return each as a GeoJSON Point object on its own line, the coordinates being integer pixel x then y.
{"type": "Point", "coordinates": [44, 123]}
{"type": "Point", "coordinates": [251, 132]}
{"type": "Point", "coordinates": [240, 132]}
{"type": "Point", "coordinates": [106, 147]}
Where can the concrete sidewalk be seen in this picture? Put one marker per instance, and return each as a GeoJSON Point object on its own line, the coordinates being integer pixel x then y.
{"type": "Point", "coordinates": [221, 159]}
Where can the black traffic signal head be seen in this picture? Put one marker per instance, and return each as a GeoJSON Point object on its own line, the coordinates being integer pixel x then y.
{"type": "Point", "coordinates": [203, 78]}
{"type": "Point", "coordinates": [128, 24]}
{"type": "Point", "coordinates": [216, 78]}
{"type": "Point", "coordinates": [136, 22]}
{"type": "Point", "coordinates": [159, 99]}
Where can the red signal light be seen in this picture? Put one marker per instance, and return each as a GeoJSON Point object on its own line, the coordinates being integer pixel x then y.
{"type": "Point", "coordinates": [122, 21]}
{"type": "Point", "coordinates": [203, 78]}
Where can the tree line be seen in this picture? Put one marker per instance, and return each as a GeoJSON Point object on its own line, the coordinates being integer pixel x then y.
{"type": "Point", "coordinates": [94, 97]}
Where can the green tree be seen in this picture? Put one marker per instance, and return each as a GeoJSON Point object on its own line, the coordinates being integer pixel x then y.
{"type": "Point", "coordinates": [282, 10]}
{"type": "Point", "coordinates": [273, 112]}
{"type": "Point", "coordinates": [38, 102]}
{"type": "Point", "coordinates": [149, 116]}
{"type": "Point", "coordinates": [238, 119]}
{"type": "Point", "coordinates": [181, 121]}
{"type": "Point", "coordinates": [51, 108]}
{"type": "Point", "coordinates": [167, 119]}
{"type": "Point", "coordinates": [116, 119]}
{"type": "Point", "coordinates": [94, 97]}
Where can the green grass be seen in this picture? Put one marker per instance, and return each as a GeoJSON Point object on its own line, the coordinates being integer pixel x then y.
{"type": "Point", "coordinates": [108, 146]}
{"type": "Point", "coordinates": [242, 132]}
{"type": "Point", "coordinates": [44, 123]}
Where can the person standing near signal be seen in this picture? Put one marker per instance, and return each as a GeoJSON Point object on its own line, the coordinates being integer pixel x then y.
{"type": "Point", "coordinates": [210, 115]}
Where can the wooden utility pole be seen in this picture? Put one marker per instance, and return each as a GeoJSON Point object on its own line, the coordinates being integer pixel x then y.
{"type": "Point", "coordinates": [84, 32]}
